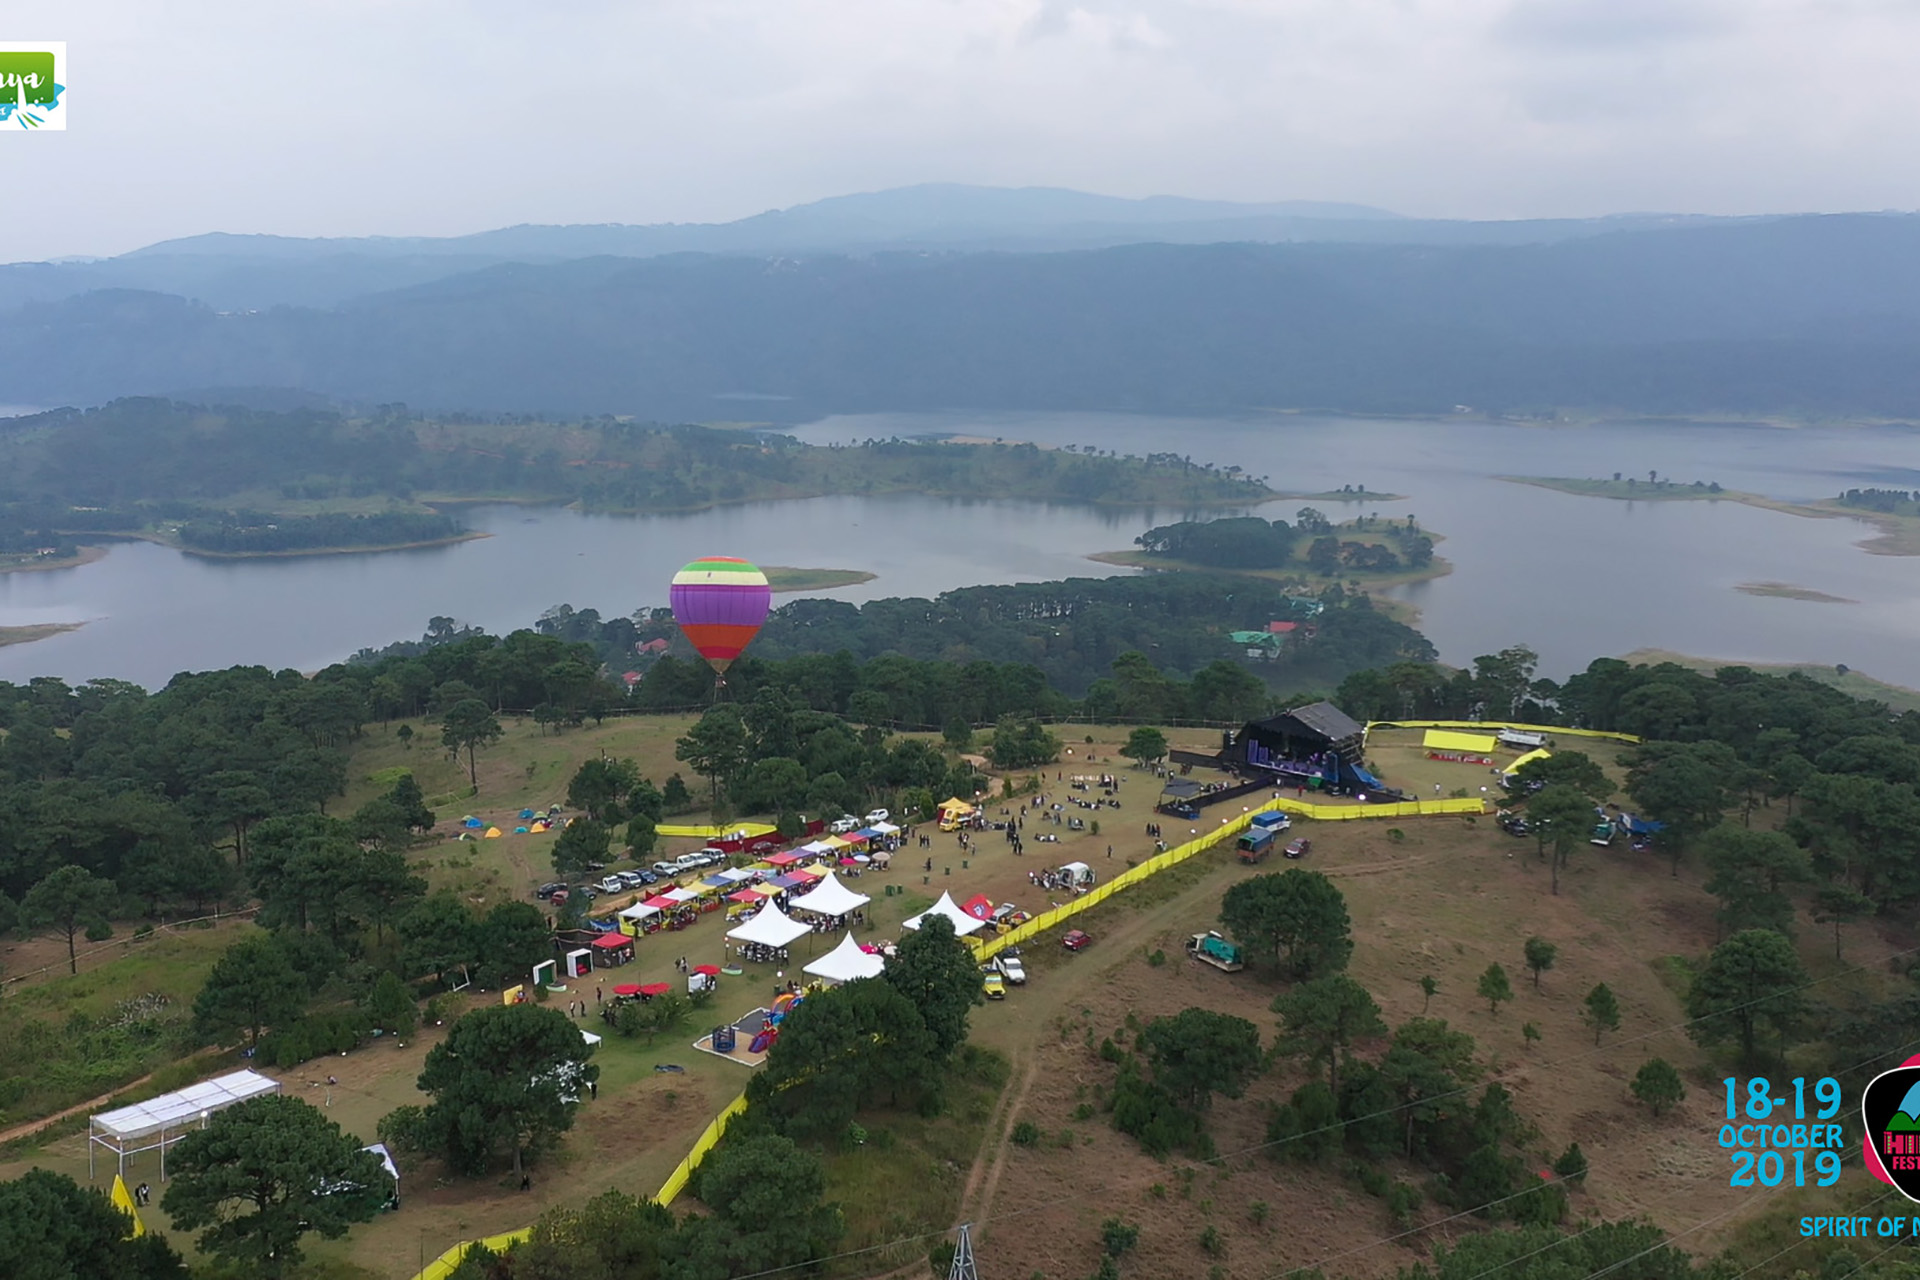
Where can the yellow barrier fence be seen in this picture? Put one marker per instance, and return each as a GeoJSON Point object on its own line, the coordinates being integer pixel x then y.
{"type": "Point", "coordinates": [676, 1181]}
{"type": "Point", "coordinates": [714, 833]}
{"type": "Point", "coordinates": [709, 1137]}
{"type": "Point", "coordinates": [1497, 725]}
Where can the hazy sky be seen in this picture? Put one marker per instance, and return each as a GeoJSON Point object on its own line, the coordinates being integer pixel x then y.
{"type": "Point", "coordinates": [346, 117]}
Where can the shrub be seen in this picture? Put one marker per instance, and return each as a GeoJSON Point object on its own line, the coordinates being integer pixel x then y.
{"type": "Point", "coordinates": [1402, 1199]}
{"type": "Point", "coordinates": [1258, 1211]}
{"type": "Point", "coordinates": [1109, 1051]}
{"type": "Point", "coordinates": [1026, 1134]}
{"type": "Point", "coordinates": [1083, 1112]}
{"type": "Point", "coordinates": [1211, 1242]}
{"type": "Point", "coordinates": [1116, 1237]}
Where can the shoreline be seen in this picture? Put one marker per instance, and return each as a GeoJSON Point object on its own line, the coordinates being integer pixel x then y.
{"type": "Point", "coordinates": [1897, 536]}
{"type": "Point", "coordinates": [36, 631]}
{"type": "Point", "coordinates": [85, 555]}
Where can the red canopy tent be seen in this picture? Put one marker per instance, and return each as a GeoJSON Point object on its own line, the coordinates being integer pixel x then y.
{"type": "Point", "coordinates": [782, 859]}
{"type": "Point", "coordinates": [805, 873]}
{"type": "Point", "coordinates": [979, 906]}
{"type": "Point", "coordinates": [655, 989]}
{"type": "Point", "coordinates": [612, 949]}
{"type": "Point", "coordinates": [744, 895]}
{"type": "Point", "coordinates": [627, 989]}
{"type": "Point", "coordinates": [711, 970]}
{"type": "Point", "coordinates": [660, 902]}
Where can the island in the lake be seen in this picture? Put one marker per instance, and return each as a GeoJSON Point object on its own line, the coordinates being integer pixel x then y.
{"type": "Point", "coordinates": [1366, 552]}
{"type": "Point", "coordinates": [35, 631]}
{"type": "Point", "coordinates": [1789, 591]}
{"type": "Point", "coordinates": [1894, 512]}
{"type": "Point", "coordinates": [36, 562]}
{"type": "Point", "coordinates": [786, 578]}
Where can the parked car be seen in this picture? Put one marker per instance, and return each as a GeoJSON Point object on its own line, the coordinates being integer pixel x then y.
{"type": "Point", "coordinates": [646, 876]}
{"type": "Point", "coordinates": [841, 826]}
{"type": "Point", "coordinates": [586, 891]}
{"type": "Point", "coordinates": [1011, 968]}
{"type": "Point", "coordinates": [1299, 848]}
{"type": "Point", "coordinates": [993, 984]}
{"type": "Point", "coordinates": [559, 897]}
{"type": "Point", "coordinates": [1514, 825]}
{"type": "Point", "coordinates": [1075, 940]}
{"type": "Point", "coordinates": [878, 815]}
{"type": "Point", "coordinates": [631, 879]}
{"type": "Point", "coordinates": [547, 890]}
{"type": "Point", "coordinates": [689, 862]}
{"type": "Point", "coordinates": [664, 868]}
{"type": "Point", "coordinates": [612, 884]}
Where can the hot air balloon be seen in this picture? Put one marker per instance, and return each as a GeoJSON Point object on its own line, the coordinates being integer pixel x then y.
{"type": "Point", "coordinates": [720, 602]}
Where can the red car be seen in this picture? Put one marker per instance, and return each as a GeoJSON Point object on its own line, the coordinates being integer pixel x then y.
{"type": "Point", "coordinates": [1300, 848]}
{"type": "Point", "coordinates": [1075, 940]}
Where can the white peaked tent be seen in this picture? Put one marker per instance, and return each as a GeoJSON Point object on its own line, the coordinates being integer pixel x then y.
{"type": "Point", "coordinates": [772, 927]}
{"type": "Point", "coordinates": [830, 898]}
{"type": "Point", "coordinates": [963, 924]}
{"type": "Point", "coordinates": [845, 963]}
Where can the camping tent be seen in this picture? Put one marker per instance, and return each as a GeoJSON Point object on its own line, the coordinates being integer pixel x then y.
{"type": "Point", "coordinates": [493, 833]}
{"type": "Point", "coordinates": [771, 927]}
{"type": "Point", "coordinates": [963, 924]}
{"type": "Point", "coordinates": [831, 898]}
{"type": "Point", "coordinates": [846, 962]}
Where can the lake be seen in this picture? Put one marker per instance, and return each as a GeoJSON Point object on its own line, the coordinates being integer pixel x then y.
{"type": "Point", "coordinates": [1572, 577]}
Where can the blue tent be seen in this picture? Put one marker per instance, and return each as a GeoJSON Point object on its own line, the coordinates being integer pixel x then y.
{"type": "Point", "coordinates": [475, 822]}
{"type": "Point", "coordinates": [526, 813]}
{"type": "Point", "coordinates": [1637, 826]}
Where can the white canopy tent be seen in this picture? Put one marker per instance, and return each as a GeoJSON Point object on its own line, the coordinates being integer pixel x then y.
{"type": "Point", "coordinates": [590, 1037]}
{"type": "Point", "coordinates": [830, 898]}
{"type": "Point", "coordinates": [772, 927]}
{"type": "Point", "coordinates": [733, 876]}
{"type": "Point", "coordinates": [963, 924]}
{"type": "Point", "coordinates": [153, 1124]}
{"type": "Point", "coordinates": [886, 828]}
{"type": "Point", "coordinates": [680, 895]}
{"type": "Point", "coordinates": [816, 848]}
{"type": "Point", "coordinates": [845, 963]}
{"type": "Point", "coordinates": [639, 911]}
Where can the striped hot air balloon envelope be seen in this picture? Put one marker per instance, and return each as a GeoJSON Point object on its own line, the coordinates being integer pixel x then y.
{"type": "Point", "coordinates": [720, 602]}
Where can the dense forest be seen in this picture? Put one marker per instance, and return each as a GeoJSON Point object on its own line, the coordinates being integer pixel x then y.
{"type": "Point", "coordinates": [1811, 315]}
{"type": "Point", "coordinates": [1071, 632]}
{"type": "Point", "coordinates": [224, 474]}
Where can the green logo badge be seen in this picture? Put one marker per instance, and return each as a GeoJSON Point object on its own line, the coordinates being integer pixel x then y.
{"type": "Point", "coordinates": [26, 79]}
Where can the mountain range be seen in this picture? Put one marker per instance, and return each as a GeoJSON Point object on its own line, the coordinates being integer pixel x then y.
{"type": "Point", "coordinates": [973, 298]}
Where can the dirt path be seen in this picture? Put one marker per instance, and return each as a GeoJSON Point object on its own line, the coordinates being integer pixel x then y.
{"type": "Point", "coordinates": [34, 1126]}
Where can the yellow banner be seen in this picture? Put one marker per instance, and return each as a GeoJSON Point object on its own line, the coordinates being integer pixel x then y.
{"type": "Point", "coordinates": [1496, 725]}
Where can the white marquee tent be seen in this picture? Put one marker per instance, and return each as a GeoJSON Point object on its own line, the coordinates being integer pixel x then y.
{"type": "Point", "coordinates": [831, 898]}
{"type": "Point", "coordinates": [963, 924]}
{"type": "Point", "coordinates": [154, 1124]}
{"type": "Point", "coordinates": [845, 963]}
{"type": "Point", "coordinates": [772, 927]}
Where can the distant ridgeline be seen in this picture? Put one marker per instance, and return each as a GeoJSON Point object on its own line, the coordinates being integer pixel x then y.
{"type": "Point", "coordinates": [134, 463]}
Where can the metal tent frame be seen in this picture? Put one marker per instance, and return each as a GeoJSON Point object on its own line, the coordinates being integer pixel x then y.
{"type": "Point", "coordinates": [157, 1123]}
